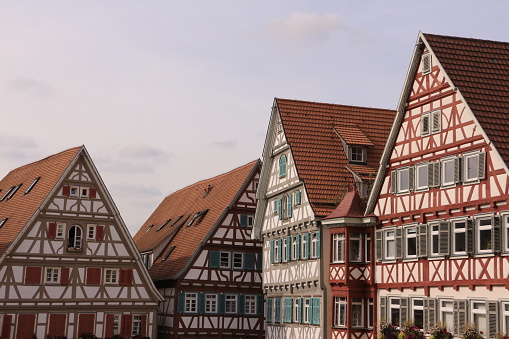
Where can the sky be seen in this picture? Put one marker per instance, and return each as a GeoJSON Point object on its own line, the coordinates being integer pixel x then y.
{"type": "Point", "coordinates": [167, 93]}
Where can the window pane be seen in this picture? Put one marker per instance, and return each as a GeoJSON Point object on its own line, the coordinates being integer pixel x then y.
{"type": "Point", "coordinates": [404, 180]}
{"type": "Point", "coordinates": [472, 167]}
{"type": "Point", "coordinates": [485, 239]}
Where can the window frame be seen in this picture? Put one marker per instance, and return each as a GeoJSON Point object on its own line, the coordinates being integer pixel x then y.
{"type": "Point", "coordinates": [191, 302]}
{"type": "Point", "coordinates": [54, 275]}
{"type": "Point", "coordinates": [476, 312]}
{"type": "Point", "coordinates": [235, 260]}
{"type": "Point", "coordinates": [400, 171]}
{"type": "Point", "coordinates": [357, 302]}
{"type": "Point", "coordinates": [418, 168]}
{"type": "Point", "coordinates": [136, 324]}
{"type": "Point", "coordinates": [225, 264]}
{"type": "Point", "coordinates": [482, 228]}
{"type": "Point", "coordinates": [114, 274]}
{"type": "Point", "coordinates": [211, 303]}
{"type": "Point", "coordinates": [338, 248]}
{"type": "Point", "coordinates": [415, 307]}
{"type": "Point", "coordinates": [352, 238]}
{"type": "Point", "coordinates": [386, 246]}
{"type": "Point", "coordinates": [408, 237]}
{"type": "Point", "coordinates": [454, 232]}
{"type": "Point", "coordinates": [250, 304]}
{"type": "Point", "coordinates": [504, 314]}
{"type": "Point", "coordinates": [306, 304]}
{"type": "Point", "coordinates": [91, 231]}
{"type": "Point", "coordinates": [443, 169]}
{"type": "Point", "coordinates": [394, 306]}
{"type": "Point", "coordinates": [447, 309]}
{"type": "Point", "coordinates": [505, 232]}
{"type": "Point", "coordinates": [340, 310]}
{"type": "Point", "coordinates": [426, 60]}
{"type": "Point", "coordinates": [313, 248]}
{"type": "Point", "coordinates": [230, 302]}
{"type": "Point", "coordinates": [294, 250]}
{"type": "Point", "coordinates": [283, 166]}
{"type": "Point", "coordinates": [76, 239]}
{"type": "Point", "coordinates": [60, 232]}
{"type": "Point", "coordinates": [359, 151]}
{"type": "Point", "coordinates": [480, 169]}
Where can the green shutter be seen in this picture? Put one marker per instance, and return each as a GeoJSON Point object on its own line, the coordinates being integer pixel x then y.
{"type": "Point", "coordinates": [214, 259]}
{"type": "Point", "coordinates": [181, 302]}
{"type": "Point", "coordinates": [316, 311]}
{"type": "Point", "coordinates": [277, 310]}
{"type": "Point", "coordinates": [280, 208]}
{"type": "Point", "coordinates": [201, 303]}
{"type": "Point", "coordinates": [241, 303]}
{"type": "Point", "coordinates": [272, 251]}
{"type": "Point", "coordinates": [299, 310]}
{"type": "Point", "coordinates": [221, 303]}
{"type": "Point", "coordinates": [308, 238]}
{"type": "Point", "coordinates": [318, 244]}
{"type": "Point", "coordinates": [298, 198]}
{"type": "Point", "coordinates": [288, 248]}
{"type": "Point", "coordinates": [297, 240]}
{"type": "Point", "coordinates": [259, 304]}
{"type": "Point", "coordinates": [269, 310]}
{"type": "Point", "coordinates": [243, 220]}
{"type": "Point", "coordinates": [289, 206]}
{"type": "Point", "coordinates": [259, 261]}
{"type": "Point", "coordinates": [280, 250]}
{"type": "Point", "coordinates": [248, 261]}
{"type": "Point", "coordinates": [310, 311]}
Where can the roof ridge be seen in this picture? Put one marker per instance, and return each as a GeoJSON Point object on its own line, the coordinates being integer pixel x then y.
{"type": "Point", "coordinates": [465, 38]}
{"type": "Point", "coordinates": [43, 159]}
{"type": "Point", "coordinates": [334, 104]}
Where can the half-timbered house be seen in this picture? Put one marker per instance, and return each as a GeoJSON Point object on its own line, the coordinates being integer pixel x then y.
{"type": "Point", "coordinates": [198, 248]}
{"type": "Point", "coordinates": [442, 242]}
{"type": "Point", "coordinates": [68, 266]}
{"type": "Point", "coordinates": [313, 154]}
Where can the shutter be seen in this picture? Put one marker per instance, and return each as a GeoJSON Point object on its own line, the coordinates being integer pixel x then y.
{"type": "Point", "coordinates": [460, 315]}
{"type": "Point", "coordinates": [288, 248]}
{"type": "Point", "coordinates": [92, 193]}
{"type": "Point", "coordinates": [411, 178]}
{"type": "Point", "coordinates": [221, 303]}
{"type": "Point", "coordinates": [297, 246]}
{"type": "Point", "coordinates": [143, 330]}
{"type": "Point", "coordinates": [56, 325]}
{"type": "Point", "coordinates": [6, 326]}
{"type": "Point", "coordinates": [423, 241]}
{"type": "Point", "coordinates": [403, 310]}
{"type": "Point", "coordinates": [86, 324]}
{"type": "Point", "coordinates": [298, 198]}
{"type": "Point", "coordinates": [25, 326]}
{"type": "Point", "coordinates": [495, 234]}
{"type": "Point", "coordinates": [310, 311]}
{"type": "Point", "coordinates": [431, 175]}
{"type": "Point", "coordinates": [259, 304]}
{"type": "Point", "coordinates": [308, 238]}
{"type": "Point", "coordinates": [99, 232]}
{"type": "Point", "coordinates": [259, 261]}
{"type": "Point", "coordinates": [318, 244]}
{"type": "Point", "coordinates": [426, 64]}
{"type": "Point", "coordinates": [243, 220]}
{"type": "Point", "coordinates": [127, 325]}
{"type": "Point", "coordinates": [241, 303]}
{"type": "Point", "coordinates": [397, 241]}
{"type": "Point", "coordinates": [299, 311]}
{"type": "Point", "coordinates": [214, 259]}
{"type": "Point", "coordinates": [277, 310]}
{"type": "Point", "coordinates": [271, 251]}
{"type": "Point", "coordinates": [52, 230]}
{"type": "Point", "coordinates": [108, 332]}
{"type": "Point", "coordinates": [443, 236]}
{"type": "Point", "coordinates": [201, 303]}
{"type": "Point", "coordinates": [280, 208]}
{"type": "Point", "coordinates": [94, 276]}
{"type": "Point", "coordinates": [279, 250]}
{"type": "Point", "coordinates": [470, 236]}
{"type": "Point", "coordinates": [126, 277]}
{"type": "Point", "coordinates": [425, 121]}
{"type": "Point", "coordinates": [285, 310]}
{"type": "Point", "coordinates": [316, 311]}
{"type": "Point", "coordinates": [66, 190]}
{"type": "Point", "coordinates": [378, 241]}
{"type": "Point", "coordinates": [249, 261]}
{"type": "Point", "coordinates": [458, 169]}
{"type": "Point", "coordinates": [492, 319]}
{"type": "Point", "coordinates": [33, 275]}
{"type": "Point", "coordinates": [269, 310]}
{"type": "Point", "coordinates": [64, 276]}
{"type": "Point", "coordinates": [429, 313]}
{"type": "Point", "coordinates": [181, 302]}
{"type": "Point", "coordinates": [274, 203]}
{"type": "Point", "coordinates": [394, 181]}
{"type": "Point", "coordinates": [482, 165]}
{"type": "Point", "coordinates": [383, 308]}
{"type": "Point", "coordinates": [289, 206]}
{"type": "Point", "coordinates": [436, 121]}
{"type": "Point", "coordinates": [436, 174]}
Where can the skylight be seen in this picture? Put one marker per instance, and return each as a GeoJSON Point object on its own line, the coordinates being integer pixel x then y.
{"type": "Point", "coordinates": [176, 220]}
{"type": "Point", "coordinates": [14, 191]}
{"type": "Point", "coordinates": [148, 229]}
{"type": "Point", "coordinates": [7, 193]}
{"type": "Point", "coordinates": [169, 252]}
{"type": "Point", "coordinates": [32, 185]}
{"type": "Point", "coordinates": [2, 222]}
{"type": "Point", "coordinates": [164, 224]}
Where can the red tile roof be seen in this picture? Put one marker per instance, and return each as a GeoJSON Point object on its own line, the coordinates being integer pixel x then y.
{"type": "Point", "coordinates": [480, 70]}
{"type": "Point", "coordinates": [351, 206]}
{"type": "Point", "coordinates": [318, 151]}
{"type": "Point", "coordinates": [20, 208]}
{"type": "Point", "coordinates": [214, 194]}
{"type": "Point", "coordinates": [352, 135]}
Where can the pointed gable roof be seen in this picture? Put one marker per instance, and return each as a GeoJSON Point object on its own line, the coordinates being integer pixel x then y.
{"type": "Point", "coordinates": [480, 70]}
{"type": "Point", "coordinates": [212, 196]}
{"type": "Point", "coordinates": [21, 207]}
{"type": "Point", "coordinates": [317, 150]}
{"type": "Point", "coordinates": [351, 206]}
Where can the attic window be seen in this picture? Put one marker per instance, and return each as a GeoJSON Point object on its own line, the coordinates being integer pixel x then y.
{"type": "Point", "coordinates": [201, 216]}
{"type": "Point", "coordinates": [431, 122]}
{"type": "Point", "coordinates": [426, 64]}
{"type": "Point", "coordinates": [32, 185]}
{"type": "Point", "coordinates": [357, 154]}
{"type": "Point", "coordinates": [2, 222]}
{"type": "Point", "coordinates": [176, 220]}
{"type": "Point", "coordinates": [148, 229]}
{"type": "Point", "coordinates": [7, 193]}
{"type": "Point", "coordinates": [193, 219]}
{"type": "Point", "coordinates": [169, 252]}
{"type": "Point", "coordinates": [14, 191]}
{"type": "Point", "coordinates": [164, 224]}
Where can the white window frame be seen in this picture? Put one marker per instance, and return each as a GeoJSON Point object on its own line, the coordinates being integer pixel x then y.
{"type": "Point", "coordinates": [230, 303]}
{"type": "Point", "coordinates": [305, 310]}
{"type": "Point", "coordinates": [417, 304]}
{"type": "Point", "coordinates": [338, 248]}
{"type": "Point", "coordinates": [111, 276]}
{"type": "Point", "coordinates": [340, 307]}
{"type": "Point", "coordinates": [210, 303]}
{"type": "Point", "coordinates": [84, 191]}
{"type": "Point", "coordinates": [52, 275]}
{"type": "Point", "coordinates": [60, 230]}
{"type": "Point", "coordinates": [434, 239]}
{"type": "Point", "coordinates": [294, 248]}
{"type": "Point", "coordinates": [471, 179]}
{"type": "Point", "coordinates": [250, 304]}
{"type": "Point", "coordinates": [74, 191]}
{"type": "Point", "coordinates": [479, 309]}
{"type": "Point", "coordinates": [389, 237]}
{"type": "Point", "coordinates": [191, 302]}
{"type": "Point", "coordinates": [303, 246]}
{"type": "Point", "coordinates": [314, 245]}
{"type": "Point", "coordinates": [505, 231]}
{"type": "Point", "coordinates": [411, 236]}
{"type": "Point", "coordinates": [444, 166]}
{"type": "Point", "coordinates": [116, 324]}
{"type": "Point", "coordinates": [277, 251]}
{"type": "Point", "coordinates": [359, 151]}
{"type": "Point", "coordinates": [418, 169]}
{"type": "Point", "coordinates": [483, 228]}
{"type": "Point", "coordinates": [393, 305]}
{"type": "Point", "coordinates": [367, 247]}
{"type": "Point", "coordinates": [237, 259]}
{"type": "Point", "coordinates": [401, 189]}
{"type": "Point", "coordinates": [505, 316]}
{"type": "Point", "coordinates": [91, 229]}
{"type": "Point", "coordinates": [296, 309]}
{"type": "Point", "coordinates": [447, 307]}
{"type": "Point", "coordinates": [355, 238]}
{"type": "Point", "coordinates": [284, 250]}
{"type": "Point", "coordinates": [224, 259]}
{"type": "Point", "coordinates": [455, 231]}
{"type": "Point", "coordinates": [426, 59]}
{"type": "Point", "coordinates": [136, 326]}
{"type": "Point", "coordinates": [357, 302]}
{"type": "Point", "coordinates": [78, 238]}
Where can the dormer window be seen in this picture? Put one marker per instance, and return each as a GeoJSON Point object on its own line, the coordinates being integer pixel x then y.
{"type": "Point", "coordinates": [357, 154]}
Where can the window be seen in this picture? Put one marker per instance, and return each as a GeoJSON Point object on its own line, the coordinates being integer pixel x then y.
{"type": "Point", "coordinates": [357, 311]}
{"type": "Point", "coordinates": [52, 275]}
{"type": "Point", "coordinates": [367, 251]}
{"type": "Point", "coordinates": [60, 230]}
{"type": "Point", "coordinates": [84, 192]}
{"type": "Point", "coordinates": [250, 304]}
{"type": "Point", "coordinates": [191, 302]}
{"type": "Point", "coordinates": [421, 176]}
{"type": "Point", "coordinates": [474, 167]}
{"type": "Point", "coordinates": [449, 171]}
{"type": "Point", "coordinates": [478, 315]}
{"type": "Point", "coordinates": [74, 241]}
{"type": "Point", "coordinates": [355, 247]}
{"type": "Point", "coordinates": [315, 245]}
{"type": "Point", "coordinates": [32, 185]}
{"type": "Point", "coordinates": [91, 231]}
{"type": "Point", "coordinates": [418, 312]}
{"type": "Point", "coordinates": [282, 166]}
{"type": "Point", "coordinates": [305, 246]}
{"type": "Point", "coordinates": [505, 231]}
{"type": "Point", "coordinates": [431, 122]}
{"type": "Point", "coordinates": [160, 227]}
{"type": "Point", "coordinates": [484, 235]}
{"type": "Point", "coordinates": [305, 312]}
{"type": "Point", "coordinates": [439, 238]}
{"type": "Point", "coordinates": [13, 191]}
{"type": "Point", "coordinates": [402, 180]}
{"type": "Point", "coordinates": [459, 237]}
{"type": "Point", "coordinates": [394, 311]}
{"type": "Point", "coordinates": [338, 247]}
{"type": "Point", "coordinates": [339, 311]}
{"type": "Point", "coordinates": [426, 63]}
{"type": "Point", "coordinates": [505, 318]}
{"type": "Point", "coordinates": [146, 259]}
{"type": "Point", "coordinates": [111, 276]}
{"type": "Point", "coordinates": [447, 314]}
{"type": "Point", "coordinates": [116, 324]}
{"type": "Point", "coordinates": [270, 310]}
{"type": "Point", "coordinates": [230, 303]}
{"type": "Point", "coordinates": [297, 308]}
{"type": "Point", "coordinates": [210, 303]}
{"type": "Point", "coordinates": [3, 221]}
{"type": "Point", "coordinates": [390, 245]}
{"type": "Point", "coordinates": [370, 312]}
{"type": "Point", "coordinates": [411, 242]}
{"type": "Point", "coordinates": [74, 191]}
{"type": "Point", "coordinates": [136, 325]}
{"type": "Point", "coordinates": [287, 207]}
{"type": "Point", "coordinates": [298, 197]}
{"type": "Point", "coordinates": [295, 247]}
{"type": "Point", "coordinates": [246, 220]}
{"type": "Point", "coordinates": [277, 250]}
{"type": "Point", "coordinates": [238, 261]}
{"type": "Point", "coordinates": [357, 154]}
{"type": "Point", "coordinates": [434, 239]}
{"type": "Point", "coordinates": [224, 260]}
{"type": "Point", "coordinates": [285, 250]}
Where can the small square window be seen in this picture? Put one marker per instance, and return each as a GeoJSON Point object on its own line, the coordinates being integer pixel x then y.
{"type": "Point", "coordinates": [111, 276]}
{"type": "Point", "coordinates": [74, 191]}
{"type": "Point", "coordinates": [357, 154]}
{"type": "Point", "coordinates": [52, 275]}
{"type": "Point", "coordinates": [224, 260]}
{"type": "Point", "coordinates": [60, 230]}
{"type": "Point", "coordinates": [431, 122]}
{"type": "Point", "coordinates": [84, 192]}
{"type": "Point", "coordinates": [91, 231]}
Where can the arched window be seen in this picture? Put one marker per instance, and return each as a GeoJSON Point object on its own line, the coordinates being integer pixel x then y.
{"type": "Point", "coordinates": [74, 240]}
{"type": "Point", "coordinates": [282, 166]}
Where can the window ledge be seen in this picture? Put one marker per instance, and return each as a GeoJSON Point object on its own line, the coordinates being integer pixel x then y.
{"type": "Point", "coordinates": [410, 259]}
{"type": "Point", "coordinates": [484, 255]}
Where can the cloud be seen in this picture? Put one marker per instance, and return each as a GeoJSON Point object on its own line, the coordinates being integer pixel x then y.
{"type": "Point", "coordinates": [145, 152]}
{"type": "Point", "coordinates": [308, 27]}
{"type": "Point", "coordinates": [30, 86]}
{"type": "Point", "coordinates": [16, 147]}
{"type": "Point", "coordinates": [226, 144]}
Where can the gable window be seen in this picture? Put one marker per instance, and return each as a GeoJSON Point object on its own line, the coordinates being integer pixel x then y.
{"type": "Point", "coordinates": [402, 180]}
{"type": "Point", "coordinates": [339, 311]}
{"type": "Point", "coordinates": [338, 248]}
{"type": "Point", "coordinates": [84, 192]}
{"type": "Point", "coordinates": [246, 220]}
{"type": "Point", "coordinates": [426, 63]}
{"type": "Point", "coordinates": [411, 242]}
{"type": "Point", "coordinates": [52, 275]}
{"type": "Point", "coordinates": [191, 302]}
{"type": "Point", "coordinates": [298, 197]}
{"type": "Point", "coordinates": [450, 171]}
{"type": "Point", "coordinates": [355, 247]}
{"type": "Point", "coordinates": [474, 167]}
{"type": "Point", "coordinates": [357, 154]}
{"type": "Point", "coordinates": [74, 240]}
{"type": "Point", "coordinates": [431, 122]}
{"type": "Point", "coordinates": [230, 303]}
{"type": "Point", "coordinates": [282, 166]}
{"type": "Point", "coordinates": [210, 303]}
{"type": "Point", "coordinates": [250, 304]}
{"type": "Point", "coordinates": [32, 185]}
{"type": "Point", "coordinates": [74, 191]}
{"type": "Point", "coordinates": [111, 276]}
